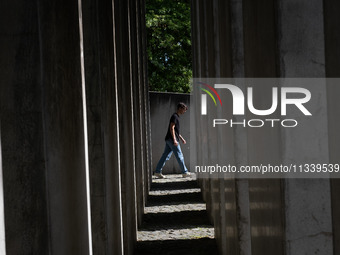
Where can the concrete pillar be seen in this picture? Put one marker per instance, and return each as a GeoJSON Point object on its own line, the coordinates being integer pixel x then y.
{"type": "Point", "coordinates": [195, 68]}
{"type": "Point", "coordinates": [308, 230]}
{"type": "Point", "coordinates": [126, 122]}
{"type": "Point", "coordinates": [260, 59]}
{"type": "Point", "coordinates": [63, 117]}
{"type": "Point", "coordinates": [207, 70]}
{"type": "Point", "coordinates": [22, 142]}
{"type": "Point", "coordinates": [195, 43]}
{"type": "Point", "coordinates": [199, 47]}
{"type": "Point", "coordinates": [223, 46]}
{"type": "Point", "coordinates": [106, 205]}
{"type": "Point", "coordinates": [139, 119]}
{"type": "Point", "coordinates": [137, 129]}
{"type": "Point", "coordinates": [2, 209]}
{"type": "Point", "coordinates": [44, 156]}
{"type": "Point", "coordinates": [332, 58]}
{"type": "Point", "coordinates": [194, 117]}
{"type": "Point", "coordinates": [240, 134]}
{"type": "Point", "coordinates": [212, 58]}
{"type": "Point", "coordinates": [259, 39]}
{"type": "Point", "coordinates": [236, 20]}
{"type": "Point", "coordinates": [204, 47]}
{"type": "Point", "coordinates": [199, 53]}
{"type": "Point", "coordinates": [145, 96]}
{"type": "Point", "coordinates": [226, 217]}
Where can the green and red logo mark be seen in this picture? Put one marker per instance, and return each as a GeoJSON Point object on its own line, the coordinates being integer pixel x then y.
{"type": "Point", "coordinates": [204, 97]}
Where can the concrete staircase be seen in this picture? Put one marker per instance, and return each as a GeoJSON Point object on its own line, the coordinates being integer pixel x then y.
{"type": "Point", "coordinates": [175, 220]}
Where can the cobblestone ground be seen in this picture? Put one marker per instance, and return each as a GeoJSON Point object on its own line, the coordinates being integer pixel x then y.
{"type": "Point", "coordinates": [175, 220]}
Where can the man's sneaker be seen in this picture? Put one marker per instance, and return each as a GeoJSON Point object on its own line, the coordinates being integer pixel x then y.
{"type": "Point", "coordinates": [187, 174]}
{"type": "Point", "coordinates": [160, 176]}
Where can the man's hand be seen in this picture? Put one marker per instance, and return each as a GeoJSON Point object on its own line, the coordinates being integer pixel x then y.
{"type": "Point", "coordinates": [175, 143]}
{"type": "Point", "coordinates": [184, 142]}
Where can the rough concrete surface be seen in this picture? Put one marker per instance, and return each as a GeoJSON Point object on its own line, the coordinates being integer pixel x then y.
{"type": "Point", "coordinates": [175, 219]}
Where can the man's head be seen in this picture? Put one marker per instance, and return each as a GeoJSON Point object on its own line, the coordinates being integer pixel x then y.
{"type": "Point", "coordinates": [181, 108]}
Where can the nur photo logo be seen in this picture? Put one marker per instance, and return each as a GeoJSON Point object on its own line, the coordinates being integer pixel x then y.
{"type": "Point", "coordinates": [280, 99]}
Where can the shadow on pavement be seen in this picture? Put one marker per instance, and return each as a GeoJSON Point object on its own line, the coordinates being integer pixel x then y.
{"type": "Point", "coordinates": [177, 247]}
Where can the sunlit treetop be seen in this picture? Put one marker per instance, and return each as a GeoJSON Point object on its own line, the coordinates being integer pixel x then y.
{"type": "Point", "coordinates": [169, 45]}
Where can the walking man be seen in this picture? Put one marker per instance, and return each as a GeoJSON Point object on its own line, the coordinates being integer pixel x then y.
{"type": "Point", "coordinates": [172, 139]}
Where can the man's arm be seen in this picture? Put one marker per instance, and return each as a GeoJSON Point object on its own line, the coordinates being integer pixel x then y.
{"type": "Point", "coordinates": [181, 137]}
{"type": "Point", "coordinates": [172, 132]}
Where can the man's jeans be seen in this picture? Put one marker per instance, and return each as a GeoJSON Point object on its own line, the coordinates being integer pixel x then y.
{"type": "Point", "coordinates": [169, 148]}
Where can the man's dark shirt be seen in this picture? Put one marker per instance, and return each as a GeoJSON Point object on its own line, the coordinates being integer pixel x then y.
{"type": "Point", "coordinates": [175, 119]}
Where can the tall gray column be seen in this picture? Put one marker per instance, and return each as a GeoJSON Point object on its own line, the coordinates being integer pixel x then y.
{"type": "Point", "coordinates": [106, 205]}
{"type": "Point", "coordinates": [197, 46]}
{"type": "Point", "coordinates": [22, 142]}
{"type": "Point", "coordinates": [137, 110]}
{"type": "Point", "coordinates": [142, 59]}
{"type": "Point", "coordinates": [204, 26]}
{"type": "Point", "coordinates": [220, 65]}
{"type": "Point", "coordinates": [226, 140]}
{"type": "Point", "coordinates": [2, 209]}
{"type": "Point", "coordinates": [261, 61]}
{"type": "Point", "coordinates": [332, 63]}
{"type": "Point", "coordinates": [308, 230]}
{"type": "Point", "coordinates": [125, 122]}
{"type": "Point", "coordinates": [144, 99]}
{"type": "Point", "coordinates": [63, 119]}
{"type": "Point", "coordinates": [42, 130]}
{"type": "Point", "coordinates": [240, 134]}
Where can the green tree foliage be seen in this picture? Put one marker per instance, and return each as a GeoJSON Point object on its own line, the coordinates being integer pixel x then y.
{"type": "Point", "coordinates": [169, 45]}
